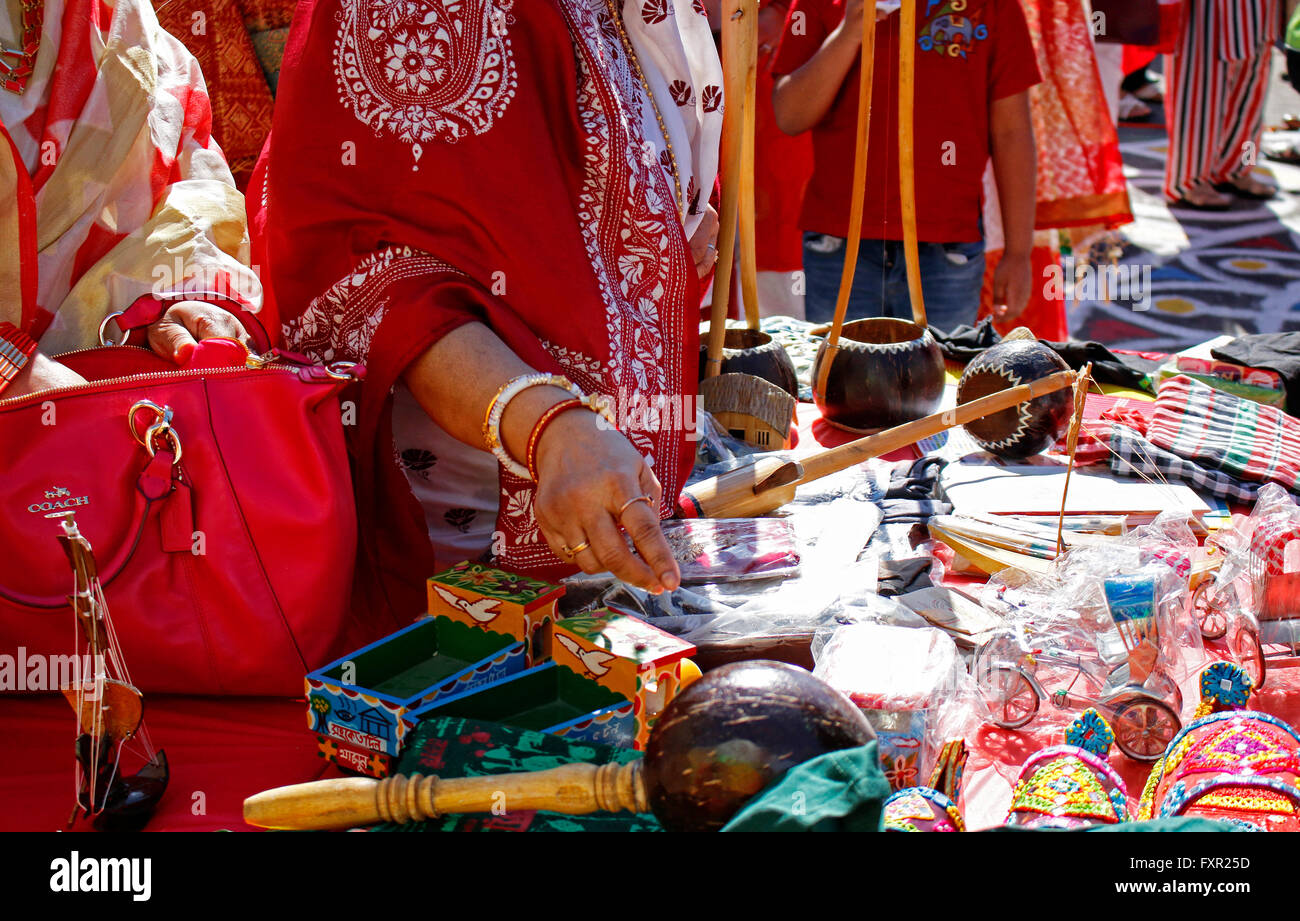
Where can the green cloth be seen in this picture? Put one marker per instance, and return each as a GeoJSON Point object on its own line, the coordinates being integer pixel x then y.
{"type": "Point", "coordinates": [1293, 31]}
{"type": "Point", "coordinates": [454, 747]}
{"type": "Point", "coordinates": [846, 790]}
{"type": "Point", "coordinates": [839, 791]}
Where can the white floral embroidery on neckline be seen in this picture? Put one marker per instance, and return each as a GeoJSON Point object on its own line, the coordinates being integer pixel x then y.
{"type": "Point", "coordinates": [425, 70]}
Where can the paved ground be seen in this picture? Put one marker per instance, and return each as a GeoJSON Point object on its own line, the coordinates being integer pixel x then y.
{"type": "Point", "coordinates": [1211, 273]}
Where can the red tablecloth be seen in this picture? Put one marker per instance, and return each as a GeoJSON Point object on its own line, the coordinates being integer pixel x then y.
{"type": "Point", "coordinates": [222, 750]}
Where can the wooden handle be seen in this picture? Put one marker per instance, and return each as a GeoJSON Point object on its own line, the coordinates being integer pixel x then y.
{"type": "Point", "coordinates": [748, 252]}
{"type": "Point", "coordinates": [767, 485]}
{"type": "Point", "coordinates": [734, 494]}
{"type": "Point", "coordinates": [907, 156]}
{"type": "Point", "coordinates": [572, 789]}
{"type": "Point", "coordinates": [734, 55]}
{"type": "Point", "coordinates": [866, 67]}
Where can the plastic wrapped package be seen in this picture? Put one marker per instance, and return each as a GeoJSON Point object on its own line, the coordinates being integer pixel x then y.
{"type": "Point", "coordinates": [1255, 597]}
{"type": "Point", "coordinates": [1100, 630]}
{"type": "Point", "coordinates": [1072, 600]}
{"type": "Point", "coordinates": [913, 687]}
{"type": "Point", "coordinates": [732, 549]}
{"type": "Point", "coordinates": [752, 614]}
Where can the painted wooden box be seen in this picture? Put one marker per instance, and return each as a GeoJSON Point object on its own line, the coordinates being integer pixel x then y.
{"type": "Point", "coordinates": [545, 698]}
{"type": "Point", "coordinates": [627, 655]}
{"type": "Point", "coordinates": [498, 601]}
{"type": "Point", "coordinates": [356, 704]}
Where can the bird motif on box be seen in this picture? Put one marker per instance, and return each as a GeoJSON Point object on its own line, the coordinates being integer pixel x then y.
{"type": "Point", "coordinates": [484, 610]}
{"type": "Point", "coordinates": [595, 661]}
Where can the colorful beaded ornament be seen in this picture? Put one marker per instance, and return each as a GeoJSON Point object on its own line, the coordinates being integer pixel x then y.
{"type": "Point", "coordinates": [1071, 785]}
{"type": "Point", "coordinates": [921, 809]}
{"type": "Point", "coordinates": [934, 807]}
{"type": "Point", "coordinates": [1236, 765]}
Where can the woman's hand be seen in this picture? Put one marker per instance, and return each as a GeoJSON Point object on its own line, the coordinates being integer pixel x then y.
{"type": "Point", "coordinates": [188, 322]}
{"type": "Point", "coordinates": [590, 481]}
{"type": "Point", "coordinates": [704, 242]}
{"type": "Point", "coordinates": [41, 373]}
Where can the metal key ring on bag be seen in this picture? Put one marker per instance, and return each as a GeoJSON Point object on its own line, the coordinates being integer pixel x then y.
{"type": "Point", "coordinates": [341, 370]}
{"type": "Point", "coordinates": [103, 327]}
{"type": "Point", "coordinates": [162, 426]}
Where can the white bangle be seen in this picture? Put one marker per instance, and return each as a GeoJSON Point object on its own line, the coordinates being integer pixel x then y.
{"type": "Point", "coordinates": [497, 410]}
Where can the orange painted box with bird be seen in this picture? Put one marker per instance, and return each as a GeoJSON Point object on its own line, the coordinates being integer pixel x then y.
{"type": "Point", "coordinates": [498, 601]}
{"type": "Point", "coordinates": [627, 655]}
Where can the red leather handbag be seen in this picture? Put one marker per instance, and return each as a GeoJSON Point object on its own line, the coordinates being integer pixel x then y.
{"type": "Point", "coordinates": [219, 503]}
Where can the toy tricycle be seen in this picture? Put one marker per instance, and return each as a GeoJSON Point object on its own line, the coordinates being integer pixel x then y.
{"type": "Point", "coordinates": [1143, 715]}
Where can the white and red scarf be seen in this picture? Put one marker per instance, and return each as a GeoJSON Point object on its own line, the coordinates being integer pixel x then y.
{"type": "Point", "coordinates": [111, 186]}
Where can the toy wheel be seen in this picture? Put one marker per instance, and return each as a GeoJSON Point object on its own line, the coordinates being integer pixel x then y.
{"type": "Point", "coordinates": [1212, 618]}
{"type": "Point", "coordinates": [1010, 696]}
{"type": "Point", "coordinates": [1144, 727]}
{"type": "Point", "coordinates": [1167, 689]}
{"type": "Point", "coordinates": [1249, 655]}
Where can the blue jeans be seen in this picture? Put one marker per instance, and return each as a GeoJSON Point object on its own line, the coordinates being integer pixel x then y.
{"type": "Point", "coordinates": [952, 275]}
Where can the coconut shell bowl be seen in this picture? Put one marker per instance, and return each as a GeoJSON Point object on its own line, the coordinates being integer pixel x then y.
{"type": "Point", "coordinates": [885, 372]}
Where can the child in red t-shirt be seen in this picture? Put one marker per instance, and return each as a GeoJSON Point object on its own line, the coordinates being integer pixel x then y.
{"type": "Point", "coordinates": [975, 63]}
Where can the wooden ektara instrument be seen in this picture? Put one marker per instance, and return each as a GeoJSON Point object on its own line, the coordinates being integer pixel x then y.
{"type": "Point", "coordinates": [771, 482]}
{"type": "Point", "coordinates": [109, 708]}
{"type": "Point", "coordinates": [878, 372]}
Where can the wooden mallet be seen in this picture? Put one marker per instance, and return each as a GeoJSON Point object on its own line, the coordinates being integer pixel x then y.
{"type": "Point", "coordinates": [717, 744]}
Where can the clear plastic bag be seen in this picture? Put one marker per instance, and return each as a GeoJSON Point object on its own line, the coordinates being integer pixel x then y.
{"type": "Point", "coordinates": [831, 525]}
{"type": "Point", "coordinates": [911, 683]}
{"type": "Point", "coordinates": [732, 549]}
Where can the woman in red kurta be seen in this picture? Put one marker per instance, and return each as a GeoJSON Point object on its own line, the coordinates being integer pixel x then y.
{"type": "Point", "coordinates": [461, 193]}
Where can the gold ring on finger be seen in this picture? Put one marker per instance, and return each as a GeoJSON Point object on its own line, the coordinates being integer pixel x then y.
{"type": "Point", "coordinates": [630, 502]}
{"type": "Point", "coordinates": [574, 551]}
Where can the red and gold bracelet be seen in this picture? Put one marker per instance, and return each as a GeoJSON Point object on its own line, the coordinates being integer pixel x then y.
{"type": "Point", "coordinates": [16, 350]}
{"type": "Point", "coordinates": [594, 402]}
{"type": "Point", "coordinates": [530, 456]}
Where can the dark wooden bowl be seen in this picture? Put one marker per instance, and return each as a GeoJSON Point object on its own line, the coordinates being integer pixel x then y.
{"type": "Point", "coordinates": [751, 351]}
{"type": "Point", "coordinates": [887, 372]}
{"type": "Point", "coordinates": [737, 730]}
{"type": "Point", "coordinates": [1030, 428]}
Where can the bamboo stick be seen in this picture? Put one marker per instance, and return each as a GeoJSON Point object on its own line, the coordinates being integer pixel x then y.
{"type": "Point", "coordinates": [748, 246]}
{"type": "Point", "coordinates": [853, 241]}
{"type": "Point", "coordinates": [733, 87]}
{"type": "Point", "coordinates": [907, 156]}
{"type": "Point", "coordinates": [750, 491]}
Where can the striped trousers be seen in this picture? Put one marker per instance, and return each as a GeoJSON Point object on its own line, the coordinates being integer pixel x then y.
{"type": "Point", "coordinates": [1214, 102]}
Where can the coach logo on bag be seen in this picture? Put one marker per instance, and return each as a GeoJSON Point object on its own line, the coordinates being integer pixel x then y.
{"type": "Point", "coordinates": [57, 499]}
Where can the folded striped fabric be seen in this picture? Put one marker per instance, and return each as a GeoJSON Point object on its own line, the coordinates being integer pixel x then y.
{"type": "Point", "coordinates": [1134, 456]}
{"type": "Point", "coordinates": [1222, 432]}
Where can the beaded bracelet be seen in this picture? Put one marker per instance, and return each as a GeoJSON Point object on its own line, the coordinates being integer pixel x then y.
{"type": "Point", "coordinates": [497, 408]}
